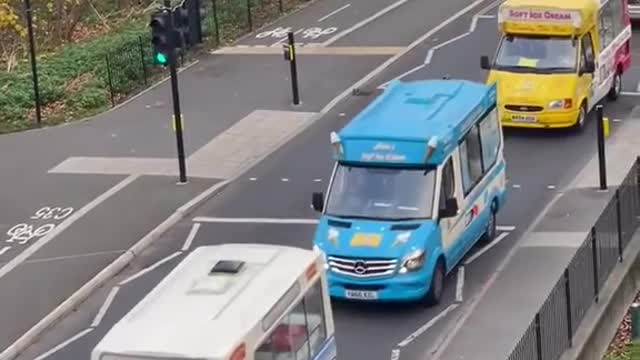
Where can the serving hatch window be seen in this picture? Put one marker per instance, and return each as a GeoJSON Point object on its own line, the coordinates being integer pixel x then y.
{"type": "Point", "coordinates": [538, 54]}
{"type": "Point", "coordinates": [381, 193]}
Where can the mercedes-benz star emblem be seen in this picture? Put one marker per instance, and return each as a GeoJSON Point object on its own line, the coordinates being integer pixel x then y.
{"type": "Point", "coordinates": [360, 268]}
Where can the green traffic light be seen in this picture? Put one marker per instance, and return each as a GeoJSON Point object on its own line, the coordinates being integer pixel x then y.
{"type": "Point", "coordinates": [161, 58]}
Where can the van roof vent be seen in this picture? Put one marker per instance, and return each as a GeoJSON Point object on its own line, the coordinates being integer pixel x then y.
{"type": "Point", "coordinates": [227, 267]}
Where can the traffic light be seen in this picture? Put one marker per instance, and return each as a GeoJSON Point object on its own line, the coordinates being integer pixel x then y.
{"type": "Point", "coordinates": [161, 37]}
{"type": "Point", "coordinates": [181, 23]}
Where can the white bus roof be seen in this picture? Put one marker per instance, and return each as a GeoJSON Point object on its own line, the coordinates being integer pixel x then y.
{"type": "Point", "coordinates": [191, 314]}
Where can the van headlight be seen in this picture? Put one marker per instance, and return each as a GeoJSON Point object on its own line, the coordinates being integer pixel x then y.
{"type": "Point", "coordinates": [324, 255]}
{"type": "Point", "coordinates": [414, 261]}
{"type": "Point", "coordinates": [560, 104]}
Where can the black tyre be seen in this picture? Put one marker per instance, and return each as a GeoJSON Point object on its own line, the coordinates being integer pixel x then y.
{"type": "Point", "coordinates": [492, 228]}
{"type": "Point", "coordinates": [582, 118]}
{"type": "Point", "coordinates": [434, 295]}
{"type": "Point", "coordinates": [616, 87]}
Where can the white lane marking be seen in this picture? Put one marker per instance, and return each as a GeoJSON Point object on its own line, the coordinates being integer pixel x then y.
{"type": "Point", "coordinates": [427, 59]}
{"type": "Point", "coordinates": [284, 179]}
{"type": "Point", "coordinates": [64, 225]}
{"type": "Point", "coordinates": [617, 120]}
{"type": "Point", "coordinates": [489, 7]}
{"type": "Point", "coordinates": [317, 180]}
{"type": "Point", "coordinates": [384, 86]}
{"type": "Point", "coordinates": [516, 186]}
{"type": "Point", "coordinates": [638, 86]}
{"type": "Point", "coordinates": [450, 41]}
{"type": "Point", "coordinates": [4, 250]}
{"type": "Point", "coordinates": [191, 236]}
{"type": "Point", "coordinates": [551, 187]}
{"type": "Point", "coordinates": [105, 306]}
{"type": "Point", "coordinates": [363, 22]}
{"type": "Point", "coordinates": [474, 23]}
{"type": "Point", "coordinates": [460, 284]}
{"type": "Point", "coordinates": [486, 16]}
{"type": "Point", "coordinates": [206, 219]}
{"type": "Point", "coordinates": [148, 269]}
{"type": "Point", "coordinates": [395, 354]}
{"type": "Point", "coordinates": [630, 93]}
{"type": "Point", "coordinates": [382, 67]}
{"type": "Point", "coordinates": [71, 257]}
{"type": "Point", "coordinates": [65, 343]}
{"type": "Point", "coordinates": [507, 228]}
{"type": "Point", "coordinates": [253, 179]}
{"type": "Point", "coordinates": [333, 13]}
{"type": "Point", "coordinates": [487, 248]}
{"type": "Point", "coordinates": [426, 326]}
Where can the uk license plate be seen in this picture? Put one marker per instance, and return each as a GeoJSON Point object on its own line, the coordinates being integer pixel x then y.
{"type": "Point", "coordinates": [523, 118]}
{"type": "Point", "coordinates": [361, 294]}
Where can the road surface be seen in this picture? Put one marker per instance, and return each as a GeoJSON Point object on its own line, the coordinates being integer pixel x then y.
{"type": "Point", "coordinates": [280, 187]}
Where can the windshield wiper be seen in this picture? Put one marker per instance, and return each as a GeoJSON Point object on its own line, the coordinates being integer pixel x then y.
{"type": "Point", "coordinates": [358, 217]}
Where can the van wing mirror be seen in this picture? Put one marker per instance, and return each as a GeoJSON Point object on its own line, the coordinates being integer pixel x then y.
{"type": "Point", "coordinates": [450, 208]}
{"type": "Point", "coordinates": [484, 62]}
{"type": "Point", "coordinates": [317, 201]}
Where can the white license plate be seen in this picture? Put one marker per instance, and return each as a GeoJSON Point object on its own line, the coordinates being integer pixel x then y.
{"type": "Point", "coordinates": [523, 118]}
{"type": "Point", "coordinates": [361, 294]}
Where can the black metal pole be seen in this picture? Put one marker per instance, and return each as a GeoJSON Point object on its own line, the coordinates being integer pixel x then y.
{"type": "Point", "coordinates": [293, 61]}
{"type": "Point", "coordinates": [34, 67]}
{"type": "Point", "coordinates": [601, 154]}
{"type": "Point", "coordinates": [215, 21]}
{"type": "Point", "coordinates": [619, 226]}
{"type": "Point", "coordinates": [249, 16]}
{"type": "Point", "coordinates": [567, 289]}
{"type": "Point", "coordinates": [594, 256]}
{"type": "Point", "coordinates": [176, 103]}
{"type": "Point", "coordinates": [538, 328]}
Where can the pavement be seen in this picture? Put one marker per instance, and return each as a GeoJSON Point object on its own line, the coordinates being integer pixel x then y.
{"type": "Point", "coordinates": [539, 164]}
{"type": "Point", "coordinates": [80, 195]}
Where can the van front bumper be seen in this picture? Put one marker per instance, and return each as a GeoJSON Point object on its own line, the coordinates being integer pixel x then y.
{"type": "Point", "coordinates": [401, 287]}
{"type": "Point", "coordinates": [540, 120]}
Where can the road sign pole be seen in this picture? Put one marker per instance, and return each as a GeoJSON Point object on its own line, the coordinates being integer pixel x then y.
{"type": "Point", "coordinates": [293, 62]}
{"type": "Point", "coordinates": [176, 102]}
{"type": "Point", "coordinates": [34, 67]}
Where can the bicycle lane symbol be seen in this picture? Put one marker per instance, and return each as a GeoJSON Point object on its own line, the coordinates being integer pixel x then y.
{"type": "Point", "coordinates": [23, 233]}
{"type": "Point", "coordinates": [304, 34]}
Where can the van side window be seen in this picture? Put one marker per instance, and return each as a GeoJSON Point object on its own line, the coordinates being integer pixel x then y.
{"type": "Point", "coordinates": [490, 134]}
{"type": "Point", "coordinates": [447, 189]}
{"type": "Point", "coordinates": [606, 28]}
{"type": "Point", "coordinates": [587, 48]}
{"type": "Point", "coordinates": [471, 159]}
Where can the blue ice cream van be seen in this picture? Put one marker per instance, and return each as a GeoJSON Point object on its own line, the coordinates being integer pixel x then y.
{"type": "Point", "coordinates": [418, 180]}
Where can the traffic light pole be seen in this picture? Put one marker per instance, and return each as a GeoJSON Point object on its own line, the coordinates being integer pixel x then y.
{"type": "Point", "coordinates": [177, 115]}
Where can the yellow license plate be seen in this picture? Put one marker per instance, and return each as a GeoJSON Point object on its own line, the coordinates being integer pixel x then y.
{"type": "Point", "coordinates": [362, 240]}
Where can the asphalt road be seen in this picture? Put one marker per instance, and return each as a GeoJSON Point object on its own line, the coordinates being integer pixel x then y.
{"type": "Point", "coordinates": [539, 163]}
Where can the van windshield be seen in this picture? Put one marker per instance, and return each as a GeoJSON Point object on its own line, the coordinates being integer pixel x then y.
{"type": "Point", "coordinates": [381, 193]}
{"type": "Point", "coordinates": [537, 54]}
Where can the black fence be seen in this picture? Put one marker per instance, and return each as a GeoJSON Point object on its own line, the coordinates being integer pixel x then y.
{"type": "Point", "coordinates": [552, 329]}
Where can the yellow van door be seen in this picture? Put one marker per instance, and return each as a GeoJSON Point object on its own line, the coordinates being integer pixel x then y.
{"type": "Point", "coordinates": [585, 86]}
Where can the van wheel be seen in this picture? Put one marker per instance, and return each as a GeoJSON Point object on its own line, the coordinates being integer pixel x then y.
{"type": "Point", "coordinates": [492, 229]}
{"type": "Point", "coordinates": [434, 295]}
{"type": "Point", "coordinates": [582, 117]}
{"type": "Point", "coordinates": [616, 87]}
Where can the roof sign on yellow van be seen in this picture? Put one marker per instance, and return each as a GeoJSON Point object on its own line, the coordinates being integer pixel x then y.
{"type": "Point", "coordinates": [541, 21]}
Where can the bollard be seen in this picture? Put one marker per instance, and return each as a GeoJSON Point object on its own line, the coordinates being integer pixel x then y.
{"type": "Point", "coordinates": [607, 126]}
{"type": "Point", "coordinates": [601, 153]}
{"type": "Point", "coordinates": [290, 56]}
{"type": "Point", "coordinates": [635, 322]}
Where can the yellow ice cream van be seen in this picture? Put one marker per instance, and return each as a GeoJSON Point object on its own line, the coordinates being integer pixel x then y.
{"type": "Point", "coordinates": [557, 59]}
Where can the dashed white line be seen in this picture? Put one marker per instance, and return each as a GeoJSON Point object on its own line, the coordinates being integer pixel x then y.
{"type": "Point", "coordinates": [4, 250]}
{"type": "Point", "coordinates": [486, 248]}
{"type": "Point", "coordinates": [508, 228]}
{"type": "Point", "coordinates": [426, 326]}
{"type": "Point", "coordinates": [333, 13]}
{"type": "Point", "coordinates": [150, 268]}
{"type": "Point", "coordinates": [105, 306]}
{"type": "Point", "coordinates": [317, 180]}
{"type": "Point", "coordinates": [253, 179]}
{"type": "Point", "coordinates": [191, 236]}
{"type": "Point", "coordinates": [205, 219]}
{"type": "Point", "coordinates": [427, 59]}
{"type": "Point", "coordinates": [486, 16]}
{"type": "Point", "coordinates": [474, 23]}
{"type": "Point", "coordinates": [384, 86]}
{"type": "Point", "coordinates": [395, 354]}
{"type": "Point", "coordinates": [284, 179]}
{"type": "Point", "coordinates": [65, 343]}
{"type": "Point", "coordinates": [489, 7]}
{"type": "Point", "coordinates": [630, 93]}
{"type": "Point", "coordinates": [516, 186]}
{"type": "Point", "coordinates": [551, 187]}
{"type": "Point", "coordinates": [460, 284]}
